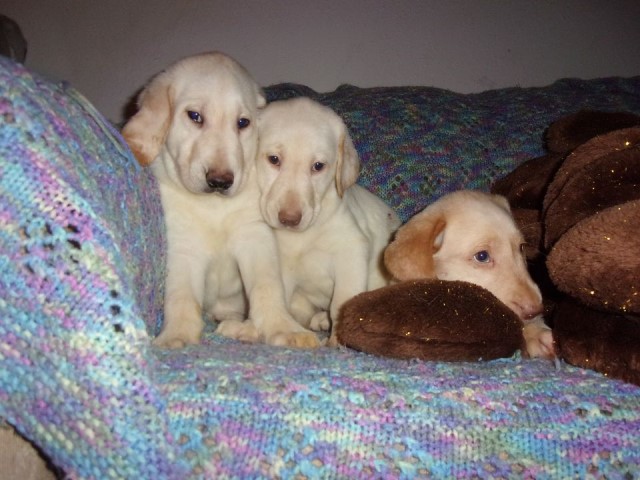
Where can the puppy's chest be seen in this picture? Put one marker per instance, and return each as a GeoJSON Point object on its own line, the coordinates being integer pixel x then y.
{"type": "Point", "coordinates": [189, 230]}
{"type": "Point", "coordinates": [208, 226]}
{"type": "Point", "coordinates": [307, 263]}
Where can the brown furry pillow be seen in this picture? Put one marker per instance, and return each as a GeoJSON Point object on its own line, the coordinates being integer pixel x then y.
{"type": "Point", "coordinates": [431, 320]}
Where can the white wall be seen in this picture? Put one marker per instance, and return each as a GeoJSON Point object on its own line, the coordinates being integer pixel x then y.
{"type": "Point", "coordinates": [109, 48]}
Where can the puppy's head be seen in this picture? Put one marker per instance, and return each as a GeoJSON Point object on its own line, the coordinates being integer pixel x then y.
{"type": "Point", "coordinates": [306, 159]}
{"type": "Point", "coordinates": [469, 236]}
{"type": "Point", "coordinates": [197, 119]}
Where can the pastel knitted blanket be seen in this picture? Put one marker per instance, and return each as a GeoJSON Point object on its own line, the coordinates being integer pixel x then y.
{"type": "Point", "coordinates": [81, 275]}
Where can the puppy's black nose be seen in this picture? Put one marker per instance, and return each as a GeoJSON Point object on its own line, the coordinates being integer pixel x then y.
{"type": "Point", "coordinates": [219, 181]}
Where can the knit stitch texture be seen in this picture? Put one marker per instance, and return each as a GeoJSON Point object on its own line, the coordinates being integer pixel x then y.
{"type": "Point", "coordinates": [82, 268]}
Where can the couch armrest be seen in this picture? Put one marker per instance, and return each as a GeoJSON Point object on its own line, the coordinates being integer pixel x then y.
{"type": "Point", "coordinates": [74, 345]}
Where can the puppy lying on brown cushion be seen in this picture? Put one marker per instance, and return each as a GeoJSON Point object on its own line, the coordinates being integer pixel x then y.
{"type": "Point", "coordinates": [484, 304]}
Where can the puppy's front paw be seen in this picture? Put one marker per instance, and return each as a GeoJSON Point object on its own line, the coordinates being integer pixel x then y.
{"type": "Point", "coordinates": [245, 331]}
{"type": "Point", "coordinates": [332, 341]}
{"type": "Point", "coordinates": [174, 341]}
{"type": "Point", "coordinates": [303, 339]}
{"type": "Point", "coordinates": [320, 322]}
{"type": "Point", "coordinates": [539, 340]}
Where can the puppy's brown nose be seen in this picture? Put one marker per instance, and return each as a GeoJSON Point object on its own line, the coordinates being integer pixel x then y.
{"type": "Point", "coordinates": [529, 310]}
{"type": "Point", "coordinates": [289, 219]}
{"type": "Point", "coordinates": [219, 181]}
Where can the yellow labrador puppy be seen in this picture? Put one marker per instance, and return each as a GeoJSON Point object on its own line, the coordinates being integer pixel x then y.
{"type": "Point", "coordinates": [331, 233]}
{"type": "Point", "coordinates": [196, 130]}
{"type": "Point", "coordinates": [471, 236]}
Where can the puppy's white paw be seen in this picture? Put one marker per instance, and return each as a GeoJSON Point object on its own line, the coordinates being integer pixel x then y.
{"type": "Point", "coordinates": [175, 341]}
{"type": "Point", "coordinates": [332, 341]}
{"type": "Point", "coordinates": [302, 339]}
{"type": "Point", "coordinates": [539, 340]}
{"type": "Point", "coordinates": [245, 331]}
{"type": "Point", "coordinates": [320, 322]}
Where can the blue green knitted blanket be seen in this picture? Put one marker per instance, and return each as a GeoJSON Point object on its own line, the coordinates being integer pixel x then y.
{"type": "Point", "coordinates": [81, 270]}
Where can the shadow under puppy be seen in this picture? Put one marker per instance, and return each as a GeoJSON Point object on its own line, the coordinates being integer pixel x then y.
{"type": "Point", "coordinates": [465, 292]}
{"type": "Point", "coordinates": [330, 232]}
{"type": "Point", "coordinates": [196, 130]}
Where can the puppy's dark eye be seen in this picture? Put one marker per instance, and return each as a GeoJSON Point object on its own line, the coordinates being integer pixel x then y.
{"type": "Point", "coordinates": [243, 123]}
{"type": "Point", "coordinates": [274, 160]}
{"type": "Point", "coordinates": [482, 256]}
{"type": "Point", "coordinates": [316, 167]}
{"type": "Point", "coordinates": [195, 117]}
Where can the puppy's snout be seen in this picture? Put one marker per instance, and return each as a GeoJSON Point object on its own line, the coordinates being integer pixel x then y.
{"type": "Point", "coordinates": [289, 218]}
{"type": "Point", "coordinates": [217, 181]}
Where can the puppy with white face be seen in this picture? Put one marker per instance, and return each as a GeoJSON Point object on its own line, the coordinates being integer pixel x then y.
{"type": "Point", "coordinates": [471, 236]}
{"type": "Point", "coordinates": [196, 129]}
{"type": "Point", "coordinates": [330, 232]}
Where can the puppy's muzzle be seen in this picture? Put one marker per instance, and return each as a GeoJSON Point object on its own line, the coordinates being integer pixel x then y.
{"type": "Point", "coordinates": [528, 310]}
{"type": "Point", "coordinates": [219, 182]}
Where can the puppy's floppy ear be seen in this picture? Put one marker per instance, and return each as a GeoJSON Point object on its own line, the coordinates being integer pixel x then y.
{"type": "Point", "coordinates": [501, 202]}
{"type": "Point", "coordinates": [410, 255]}
{"type": "Point", "coordinates": [348, 166]}
{"type": "Point", "coordinates": [261, 100]}
{"type": "Point", "coordinates": [147, 130]}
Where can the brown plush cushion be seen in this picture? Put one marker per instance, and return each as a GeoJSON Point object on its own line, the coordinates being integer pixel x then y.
{"type": "Point", "coordinates": [602, 173]}
{"type": "Point", "coordinates": [598, 260]}
{"type": "Point", "coordinates": [526, 185]}
{"type": "Point", "coordinates": [430, 320]}
{"type": "Point", "coordinates": [605, 342]}
{"type": "Point", "coordinates": [525, 188]}
{"type": "Point", "coordinates": [589, 218]}
{"type": "Point", "coordinates": [573, 130]}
